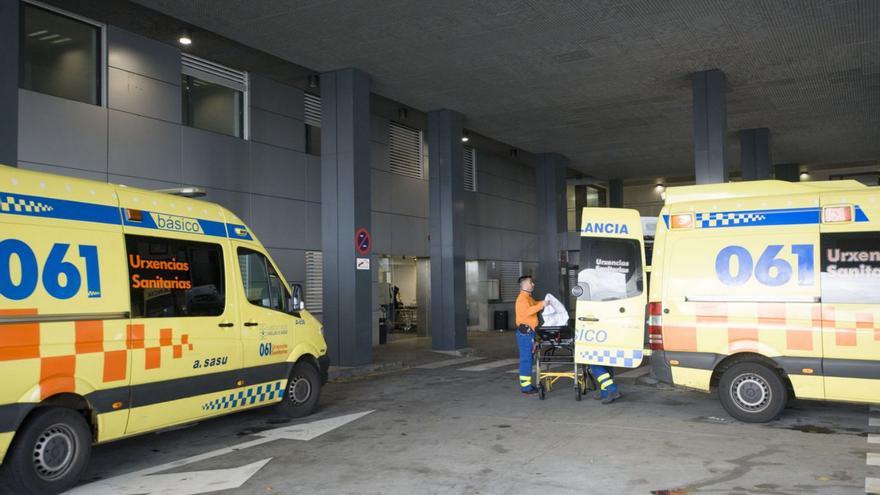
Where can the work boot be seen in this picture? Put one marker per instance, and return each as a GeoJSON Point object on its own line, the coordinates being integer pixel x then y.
{"type": "Point", "coordinates": [597, 395]}
{"type": "Point", "coordinates": [611, 398]}
{"type": "Point", "coordinates": [529, 391]}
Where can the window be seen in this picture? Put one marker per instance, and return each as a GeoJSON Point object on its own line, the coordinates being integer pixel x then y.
{"type": "Point", "coordinates": [611, 269]}
{"type": "Point", "coordinates": [214, 97]}
{"type": "Point", "coordinates": [470, 169]}
{"type": "Point", "coordinates": [60, 55]}
{"type": "Point", "coordinates": [262, 285]}
{"type": "Point", "coordinates": [313, 123]}
{"type": "Point", "coordinates": [170, 278]}
{"type": "Point", "coordinates": [851, 268]}
{"type": "Point", "coordinates": [405, 151]}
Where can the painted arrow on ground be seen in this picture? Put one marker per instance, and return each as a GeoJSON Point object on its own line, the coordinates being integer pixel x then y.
{"type": "Point", "coordinates": [149, 482]}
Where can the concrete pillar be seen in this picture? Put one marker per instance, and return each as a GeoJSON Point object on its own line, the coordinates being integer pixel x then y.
{"type": "Point", "coordinates": [9, 22]}
{"type": "Point", "coordinates": [615, 193]}
{"type": "Point", "coordinates": [710, 127]}
{"type": "Point", "coordinates": [788, 171]}
{"type": "Point", "coordinates": [551, 214]}
{"type": "Point", "coordinates": [448, 298]}
{"type": "Point", "coordinates": [345, 208]}
{"type": "Point", "coordinates": [755, 153]}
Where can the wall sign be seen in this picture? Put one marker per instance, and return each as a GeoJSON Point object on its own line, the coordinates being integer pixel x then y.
{"type": "Point", "coordinates": [362, 241]}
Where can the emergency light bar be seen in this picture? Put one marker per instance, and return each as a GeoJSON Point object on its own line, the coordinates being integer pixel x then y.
{"type": "Point", "coordinates": [682, 221]}
{"type": "Point", "coordinates": [835, 214]}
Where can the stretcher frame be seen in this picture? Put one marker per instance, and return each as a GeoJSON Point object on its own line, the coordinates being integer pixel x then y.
{"type": "Point", "coordinates": [548, 363]}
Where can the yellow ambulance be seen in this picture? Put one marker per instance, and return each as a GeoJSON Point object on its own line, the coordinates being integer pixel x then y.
{"type": "Point", "coordinates": [124, 311]}
{"type": "Point", "coordinates": [762, 290]}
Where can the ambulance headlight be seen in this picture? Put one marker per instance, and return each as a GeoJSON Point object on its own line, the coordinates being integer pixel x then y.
{"type": "Point", "coordinates": [577, 291]}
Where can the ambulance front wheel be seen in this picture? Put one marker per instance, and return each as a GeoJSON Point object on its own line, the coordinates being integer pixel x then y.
{"type": "Point", "coordinates": [752, 392]}
{"type": "Point", "coordinates": [302, 391]}
{"type": "Point", "coordinates": [49, 453]}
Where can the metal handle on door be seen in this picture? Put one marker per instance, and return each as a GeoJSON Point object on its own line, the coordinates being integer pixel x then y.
{"type": "Point", "coordinates": [225, 325]}
{"type": "Point", "coordinates": [250, 323]}
{"type": "Point", "coordinates": [588, 318]}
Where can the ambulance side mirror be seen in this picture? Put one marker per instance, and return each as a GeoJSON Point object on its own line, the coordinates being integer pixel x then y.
{"type": "Point", "coordinates": [297, 301]}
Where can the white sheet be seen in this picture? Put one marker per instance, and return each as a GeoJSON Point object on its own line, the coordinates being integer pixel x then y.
{"type": "Point", "coordinates": [555, 314]}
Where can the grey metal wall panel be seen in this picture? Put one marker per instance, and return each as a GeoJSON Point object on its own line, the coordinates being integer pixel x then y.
{"type": "Point", "coordinates": [291, 262]}
{"type": "Point", "coordinates": [409, 235]}
{"type": "Point", "coordinates": [236, 202]}
{"type": "Point", "coordinates": [55, 131]}
{"type": "Point", "coordinates": [214, 160]}
{"type": "Point", "coordinates": [140, 182]}
{"type": "Point", "coordinates": [9, 36]}
{"type": "Point", "coordinates": [313, 178]}
{"type": "Point", "coordinates": [379, 129]}
{"type": "Point", "coordinates": [379, 156]}
{"type": "Point", "coordinates": [471, 242]}
{"type": "Point", "coordinates": [380, 194]}
{"type": "Point", "coordinates": [381, 232]}
{"type": "Point", "coordinates": [275, 129]}
{"type": "Point", "coordinates": [144, 147]}
{"type": "Point", "coordinates": [70, 172]}
{"type": "Point", "coordinates": [142, 95]}
{"type": "Point", "coordinates": [311, 238]}
{"type": "Point", "coordinates": [140, 55]}
{"type": "Point", "coordinates": [275, 97]}
{"type": "Point", "coordinates": [278, 171]}
{"type": "Point", "coordinates": [409, 196]}
{"type": "Point", "coordinates": [279, 222]}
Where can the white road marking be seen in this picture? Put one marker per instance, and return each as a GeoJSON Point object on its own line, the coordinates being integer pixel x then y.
{"type": "Point", "coordinates": [873, 421]}
{"type": "Point", "coordinates": [872, 485]}
{"type": "Point", "coordinates": [491, 365]}
{"type": "Point", "coordinates": [873, 459]}
{"type": "Point", "coordinates": [448, 362]}
{"type": "Point", "coordinates": [148, 482]}
{"type": "Point", "coordinates": [634, 373]}
{"type": "Point", "coordinates": [873, 438]}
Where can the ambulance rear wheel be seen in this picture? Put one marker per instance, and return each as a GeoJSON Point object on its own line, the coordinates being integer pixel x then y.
{"type": "Point", "coordinates": [302, 391]}
{"type": "Point", "coordinates": [752, 392]}
{"type": "Point", "coordinates": [49, 453]}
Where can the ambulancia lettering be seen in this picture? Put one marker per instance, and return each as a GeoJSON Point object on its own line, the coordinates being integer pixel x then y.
{"type": "Point", "coordinates": [606, 228]}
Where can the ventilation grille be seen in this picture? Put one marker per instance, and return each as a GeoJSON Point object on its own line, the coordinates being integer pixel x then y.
{"type": "Point", "coordinates": [213, 72]}
{"type": "Point", "coordinates": [314, 292]}
{"type": "Point", "coordinates": [405, 151]}
{"type": "Point", "coordinates": [313, 110]}
{"type": "Point", "coordinates": [510, 272]}
{"type": "Point", "coordinates": [470, 172]}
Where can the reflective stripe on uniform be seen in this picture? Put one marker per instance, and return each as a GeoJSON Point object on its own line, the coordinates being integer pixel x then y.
{"type": "Point", "coordinates": [606, 384]}
{"type": "Point", "coordinates": [603, 377]}
{"type": "Point", "coordinates": [525, 381]}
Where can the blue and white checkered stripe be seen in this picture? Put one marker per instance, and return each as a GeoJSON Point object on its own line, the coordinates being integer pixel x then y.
{"type": "Point", "coordinates": [619, 357]}
{"type": "Point", "coordinates": [247, 397]}
{"type": "Point", "coordinates": [728, 219]}
{"type": "Point", "coordinates": [759, 218]}
{"type": "Point", "coordinates": [12, 204]}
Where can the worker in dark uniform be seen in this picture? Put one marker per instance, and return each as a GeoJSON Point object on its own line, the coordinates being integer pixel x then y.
{"type": "Point", "coordinates": [527, 310]}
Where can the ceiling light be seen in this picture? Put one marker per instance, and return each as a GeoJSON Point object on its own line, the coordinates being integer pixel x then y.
{"type": "Point", "coordinates": [465, 138]}
{"type": "Point", "coordinates": [805, 176]}
{"type": "Point", "coordinates": [37, 33]}
{"type": "Point", "coordinates": [660, 187]}
{"type": "Point", "coordinates": [313, 80]}
{"type": "Point", "coordinates": [185, 38]}
{"type": "Point", "coordinates": [60, 40]}
{"type": "Point", "coordinates": [49, 37]}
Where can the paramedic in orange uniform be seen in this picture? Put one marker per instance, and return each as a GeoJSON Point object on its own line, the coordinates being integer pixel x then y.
{"type": "Point", "coordinates": [527, 310]}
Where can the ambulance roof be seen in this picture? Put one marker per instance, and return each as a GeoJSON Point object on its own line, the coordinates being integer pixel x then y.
{"type": "Point", "coordinates": [21, 181]}
{"type": "Point", "coordinates": [761, 188]}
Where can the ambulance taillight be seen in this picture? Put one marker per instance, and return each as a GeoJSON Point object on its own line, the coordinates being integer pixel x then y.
{"type": "Point", "coordinates": [655, 326]}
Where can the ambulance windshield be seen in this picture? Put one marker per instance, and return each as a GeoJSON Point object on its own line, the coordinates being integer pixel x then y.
{"type": "Point", "coordinates": [611, 269]}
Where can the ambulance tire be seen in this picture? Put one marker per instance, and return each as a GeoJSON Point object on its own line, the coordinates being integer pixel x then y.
{"type": "Point", "coordinates": [302, 391]}
{"type": "Point", "coordinates": [752, 392]}
{"type": "Point", "coordinates": [49, 453]}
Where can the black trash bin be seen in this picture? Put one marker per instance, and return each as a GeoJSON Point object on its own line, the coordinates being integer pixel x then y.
{"type": "Point", "coordinates": [383, 333]}
{"type": "Point", "coordinates": [501, 320]}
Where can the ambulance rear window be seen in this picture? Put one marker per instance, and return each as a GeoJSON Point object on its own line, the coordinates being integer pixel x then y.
{"type": "Point", "coordinates": [170, 278]}
{"type": "Point", "coordinates": [611, 269]}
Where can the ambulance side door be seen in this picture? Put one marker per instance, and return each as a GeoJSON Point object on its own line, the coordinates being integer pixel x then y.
{"type": "Point", "coordinates": [850, 279]}
{"type": "Point", "coordinates": [267, 323]}
{"type": "Point", "coordinates": [611, 292]}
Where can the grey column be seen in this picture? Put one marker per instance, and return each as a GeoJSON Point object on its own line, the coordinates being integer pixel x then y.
{"type": "Point", "coordinates": [755, 153]}
{"type": "Point", "coordinates": [9, 12]}
{"type": "Point", "coordinates": [551, 211]}
{"type": "Point", "coordinates": [788, 171]}
{"type": "Point", "coordinates": [615, 193]}
{"type": "Point", "coordinates": [446, 163]}
{"type": "Point", "coordinates": [710, 127]}
{"type": "Point", "coordinates": [345, 208]}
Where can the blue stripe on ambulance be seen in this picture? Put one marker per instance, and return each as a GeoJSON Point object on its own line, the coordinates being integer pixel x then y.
{"type": "Point", "coordinates": [62, 209]}
{"type": "Point", "coordinates": [762, 218]}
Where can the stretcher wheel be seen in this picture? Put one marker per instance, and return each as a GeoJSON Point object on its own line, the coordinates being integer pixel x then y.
{"type": "Point", "coordinates": [542, 391]}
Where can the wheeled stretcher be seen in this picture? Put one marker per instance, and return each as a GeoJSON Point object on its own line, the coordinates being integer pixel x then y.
{"type": "Point", "coordinates": [554, 360]}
